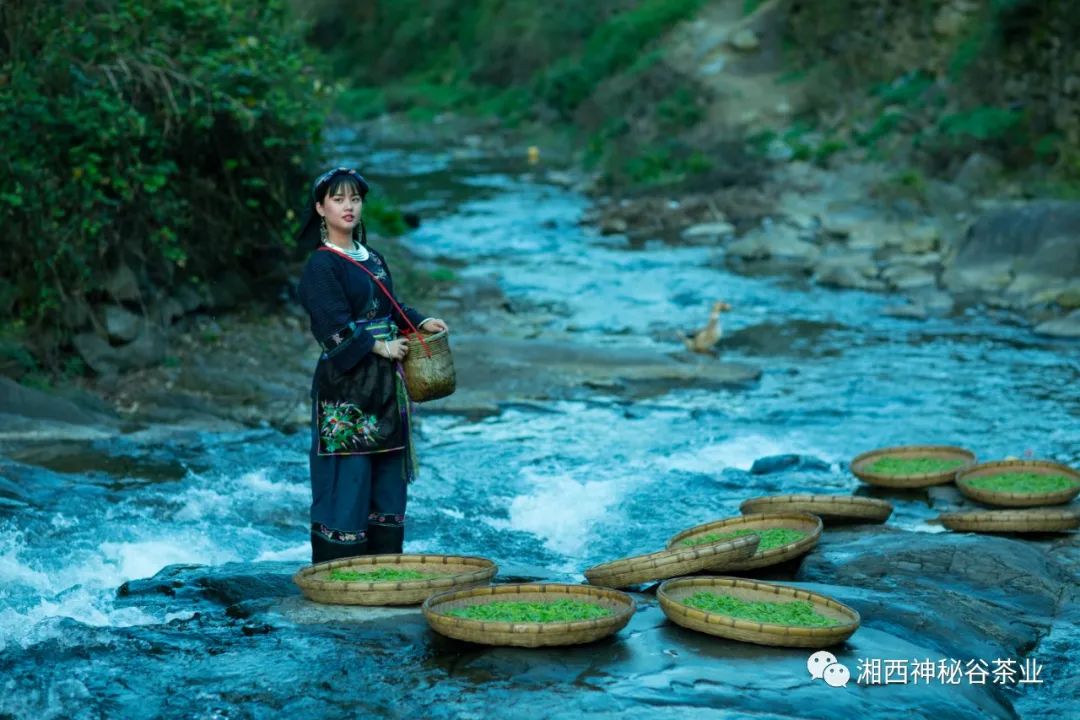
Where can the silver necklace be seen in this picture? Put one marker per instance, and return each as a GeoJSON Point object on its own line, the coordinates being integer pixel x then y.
{"type": "Point", "coordinates": [358, 253]}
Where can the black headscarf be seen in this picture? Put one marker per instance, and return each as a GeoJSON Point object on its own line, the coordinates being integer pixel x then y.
{"type": "Point", "coordinates": [309, 228]}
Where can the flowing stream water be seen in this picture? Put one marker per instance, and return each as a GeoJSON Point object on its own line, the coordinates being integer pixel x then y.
{"type": "Point", "coordinates": [562, 484]}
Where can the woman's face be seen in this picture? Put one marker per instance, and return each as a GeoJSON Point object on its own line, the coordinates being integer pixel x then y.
{"type": "Point", "coordinates": [341, 207]}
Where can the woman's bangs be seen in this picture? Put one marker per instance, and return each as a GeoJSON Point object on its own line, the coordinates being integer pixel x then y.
{"type": "Point", "coordinates": [343, 184]}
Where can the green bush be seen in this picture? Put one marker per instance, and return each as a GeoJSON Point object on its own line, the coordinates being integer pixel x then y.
{"type": "Point", "coordinates": [662, 165]}
{"type": "Point", "coordinates": [173, 137]}
{"type": "Point", "coordinates": [613, 46]}
{"type": "Point", "coordinates": [982, 124]}
{"type": "Point", "coordinates": [436, 55]}
{"type": "Point", "coordinates": [383, 218]}
{"type": "Point", "coordinates": [906, 89]}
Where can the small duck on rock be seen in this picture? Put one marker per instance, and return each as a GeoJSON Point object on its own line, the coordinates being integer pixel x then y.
{"type": "Point", "coordinates": [705, 339]}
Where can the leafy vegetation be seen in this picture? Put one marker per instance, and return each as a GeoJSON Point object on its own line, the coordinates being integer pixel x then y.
{"type": "Point", "coordinates": [796, 612]}
{"type": "Point", "coordinates": [913, 465]}
{"type": "Point", "coordinates": [945, 83]}
{"type": "Point", "coordinates": [515, 611]}
{"type": "Point", "coordinates": [770, 537]}
{"type": "Point", "coordinates": [172, 137]}
{"type": "Point", "coordinates": [380, 575]}
{"type": "Point", "coordinates": [523, 62]}
{"type": "Point", "coordinates": [612, 46]}
{"type": "Point", "coordinates": [1022, 482]}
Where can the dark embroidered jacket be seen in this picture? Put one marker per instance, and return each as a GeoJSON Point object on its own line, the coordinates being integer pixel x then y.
{"type": "Point", "coordinates": [361, 404]}
{"type": "Point", "coordinates": [335, 292]}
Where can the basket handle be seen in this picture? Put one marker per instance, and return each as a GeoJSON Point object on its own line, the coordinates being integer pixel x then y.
{"type": "Point", "coordinates": [413, 328]}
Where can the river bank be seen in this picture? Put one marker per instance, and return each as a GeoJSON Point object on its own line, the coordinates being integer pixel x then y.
{"type": "Point", "coordinates": [938, 249]}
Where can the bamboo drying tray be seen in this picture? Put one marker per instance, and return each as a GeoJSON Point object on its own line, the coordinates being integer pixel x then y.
{"type": "Point", "coordinates": [528, 634]}
{"type": "Point", "coordinates": [672, 592]}
{"type": "Point", "coordinates": [1017, 521]}
{"type": "Point", "coordinates": [1010, 499]}
{"type": "Point", "coordinates": [943, 452]}
{"type": "Point", "coordinates": [456, 571]}
{"type": "Point", "coordinates": [808, 523]}
{"type": "Point", "coordinates": [672, 562]}
{"type": "Point", "coordinates": [830, 508]}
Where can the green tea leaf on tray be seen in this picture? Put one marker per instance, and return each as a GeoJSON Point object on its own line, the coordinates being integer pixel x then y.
{"type": "Point", "coordinates": [1022, 482]}
{"type": "Point", "coordinates": [517, 611]}
{"type": "Point", "coordinates": [913, 465]}
{"type": "Point", "coordinates": [770, 537]}
{"type": "Point", "coordinates": [381, 575]}
{"type": "Point", "coordinates": [796, 612]}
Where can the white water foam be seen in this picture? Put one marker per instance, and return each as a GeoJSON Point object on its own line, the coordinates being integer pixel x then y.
{"type": "Point", "coordinates": [81, 588]}
{"type": "Point", "coordinates": [251, 496]}
{"type": "Point", "coordinates": [300, 552]}
{"type": "Point", "coordinates": [560, 509]}
{"type": "Point", "coordinates": [738, 452]}
{"type": "Point", "coordinates": [214, 522]}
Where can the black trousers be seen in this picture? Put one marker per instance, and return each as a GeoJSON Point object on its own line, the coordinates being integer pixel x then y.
{"type": "Point", "coordinates": [363, 494]}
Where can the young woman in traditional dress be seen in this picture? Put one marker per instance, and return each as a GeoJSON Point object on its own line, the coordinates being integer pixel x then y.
{"type": "Point", "coordinates": [362, 456]}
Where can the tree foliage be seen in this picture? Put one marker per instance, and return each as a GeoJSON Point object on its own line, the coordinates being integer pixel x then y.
{"type": "Point", "coordinates": [172, 137]}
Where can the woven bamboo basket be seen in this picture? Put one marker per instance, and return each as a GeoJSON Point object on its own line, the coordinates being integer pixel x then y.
{"type": "Point", "coordinates": [528, 634]}
{"type": "Point", "coordinates": [673, 592]}
{"type": "Point", "coordinates": [830, 508]}
{"type": "Point", "coordinates": [455, 571]}
{"type": "Point", "coordinates": [672, 562]}
{"type": "Point", "coordinates": [429, 378]}
{"type": "Point", "coordinates": [810, 524]}
{"type": "Point", "coordinates": [1015, 521]}
{"type": "Point", "coordinates": [1009, 499]}
{"type": "Point", "coordinates": [943, 452]}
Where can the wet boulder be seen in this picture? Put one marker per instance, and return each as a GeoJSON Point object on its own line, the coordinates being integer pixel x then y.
{"type": "Point", "coordinates": [780, 463]}
{"type": "Point", "coordinates": [1066, 327]}
{"type": "Point", "coordinates": [778, 241]}
{"type": "Point", "coordinates": [25, 402]}
{"type": "Point", "coordinates": [1018, 252]}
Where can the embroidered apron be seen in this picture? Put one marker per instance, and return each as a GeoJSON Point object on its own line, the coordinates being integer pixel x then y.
{"type": "Point", "coordinates": [367, 409]}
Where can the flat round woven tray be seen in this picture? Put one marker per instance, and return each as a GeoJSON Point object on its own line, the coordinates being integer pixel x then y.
{"type": "Point", "coordinates": [1010, 499]}
{"type": "Point", "coordinates": [830, 508]}
{"type": "Point", "coordinates": [809, 524]}
{"type": "Point", "coordinates": [1017, 521]}
{"type": "Point", "coordinates": [528, 634]}
{"type": "Point", "coordinates": [672, 562]}
{"type": "Point", "coordinates": [672, 593]}
{"type": "Point", "coordinates": [453, 572]}
{"type": "Point", "coordinates": [861, 463]}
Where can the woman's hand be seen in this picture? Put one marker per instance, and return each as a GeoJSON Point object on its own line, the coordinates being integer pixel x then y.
{"type": "Point", "coordinates": [433, 325]}
{"type": "Point", "coordinates": [392, 349]}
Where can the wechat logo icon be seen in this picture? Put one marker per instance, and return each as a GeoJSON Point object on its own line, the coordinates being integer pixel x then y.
{"type": "Point", "coordinates": [823, 666]}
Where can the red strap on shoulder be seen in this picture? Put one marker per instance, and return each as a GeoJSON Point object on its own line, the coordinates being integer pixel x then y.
{"type": "Point", "coordinates": [382, 287]}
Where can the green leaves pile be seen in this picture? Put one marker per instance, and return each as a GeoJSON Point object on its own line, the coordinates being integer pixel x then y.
{"type": "Point", "coordinates": [380, 575]}
{"type": "Point", "coordinates": [512, 611]}
{"type": "Point", "coordinates": [172, 136]}
{"type": "Point", "coordinates": [1022, 482]}
{"type": "Point", "coordinates": [796, 612]}
{"type": "Point", "coordinates": [913, 465]}
{"type": "Point", "coordinates": [770, 538]}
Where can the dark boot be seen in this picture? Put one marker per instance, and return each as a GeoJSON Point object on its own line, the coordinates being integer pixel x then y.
{"type": "Point", "coordinates": [323, 550]}
{"type": "Point", "coordinates": [383, 539]}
